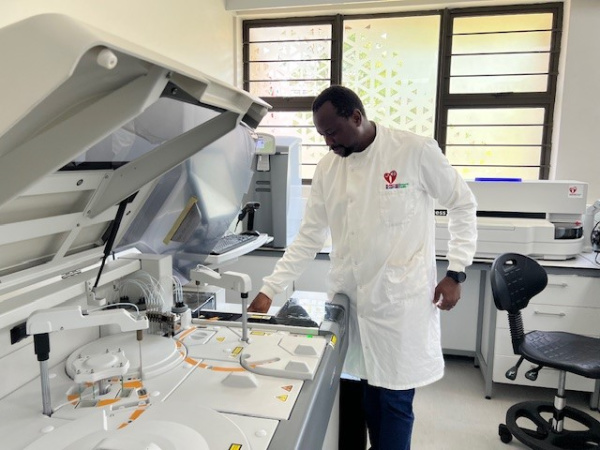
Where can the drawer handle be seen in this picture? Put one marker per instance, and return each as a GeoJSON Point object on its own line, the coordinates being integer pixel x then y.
{"type": "Point", "coordinates": [562, 285]}
{"type": "Point", "coordinates": [542, 313]}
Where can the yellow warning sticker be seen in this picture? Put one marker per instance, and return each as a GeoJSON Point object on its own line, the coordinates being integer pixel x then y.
{"type": "Point", "coordinates": [288, 388]}
{"type": "Point", "coordinates": [333, 340]}
{"type": "Point", "coordinates": [220, 339]}
{"type": "Point", "coordinates": [283, 398]}
{"type": "Point", "coordinates": [258, 333]}
{"type": "Point", "coordinates": [235, 447]}
{"type": "Point", "coordinates": [236, 351]}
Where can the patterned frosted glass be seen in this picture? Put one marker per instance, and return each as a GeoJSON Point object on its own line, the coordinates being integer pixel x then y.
{"type": "Point", "coordinates": [494, 135]}
{"type": "Point", "coordinates": [499, 155]}
{"type": "Point", "coordinates": [495, 141]}
{"type": "Point", "coordinates": [289, 33]}
{"type": "Point", "coordinates": [504, 116]}
{"type": "Point", "coordinates": [289, 61]}
{"type": "Point", "coordinates": [500, 64]}
{"type": "Point", "coordinates": [299, 88]}
{"type": "Point", "coordinates": [482, 85]}
{"type": "Point", "coordinates": [392, 64]}
{"type": "Point", "coordinates": [512, 54]}
{"type": "Point", "coordinates": [289, 78]}
{"type": "Point", "coordinates": [538, 41]}
{"type": "Point", "coordinates": [275, 51]}
{"type": "Point", "coordinates": [503, 22]}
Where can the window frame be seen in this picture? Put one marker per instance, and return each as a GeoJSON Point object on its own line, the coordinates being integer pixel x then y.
{"type": "Point", "coordinates": [545, 100]}
{"type": "Point", "coordinates": [294, 103]}
{"type": "Point", "coordinates": [444, 99]}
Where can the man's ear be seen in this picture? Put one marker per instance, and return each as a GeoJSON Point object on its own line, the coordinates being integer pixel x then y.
{"type": "Point", "coordinates": [357, 117]}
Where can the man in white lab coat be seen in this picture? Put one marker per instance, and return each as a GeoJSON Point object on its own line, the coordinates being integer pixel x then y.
{"type": "Point", "coordinates": [375, 192]}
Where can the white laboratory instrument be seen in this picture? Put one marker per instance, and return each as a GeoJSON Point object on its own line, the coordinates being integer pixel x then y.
{"type": "Point", "coordinates": [239, 282]}
{"type": "Point", "coordinates": [542, 219]}
{"type": "Point", "coordinates": [96, 369]}
{"type": "Point", "coordinates": [106, 142]}
{"type": "Point", "coordinates": [73, 317]}
{"type": "Point", "coordinates": [277, 186]}
{"type": "Point", "coordinates": [591, 233]}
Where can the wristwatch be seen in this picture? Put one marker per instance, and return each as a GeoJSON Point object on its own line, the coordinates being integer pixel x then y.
{"type": "Point", "coordinates": [459, 277]}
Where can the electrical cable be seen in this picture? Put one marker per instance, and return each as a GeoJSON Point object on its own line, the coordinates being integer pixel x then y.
{"type": "Point", "coordinates": [248, 209]}
{"type": "Point", "coordinates": [151, 288]}
{"type": "Point", "coordinates": [595, 237]}
{"type": "Point", "coordinates": [178, 290]}
{"type": "Point", "coordinates": [144, 288]}
{"type": "Point", "coordinates": [595, 241]}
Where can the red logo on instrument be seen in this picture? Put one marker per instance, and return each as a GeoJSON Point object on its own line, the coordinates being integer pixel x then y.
{"type": "Point", "coordinates": [390, 177]}
{"type": "Point", "coordinates": [572, 189]}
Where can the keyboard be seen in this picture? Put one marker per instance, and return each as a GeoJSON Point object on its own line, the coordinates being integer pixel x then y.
{"type": "Point", "coordinates": [230, 242]}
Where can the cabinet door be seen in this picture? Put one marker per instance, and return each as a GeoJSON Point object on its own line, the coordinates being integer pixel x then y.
{"type": "Point", "coordinates": [569, 319]}
{"type": "Point", "coordinates": [570, 290]}
{"type": "Point", "coordinates": [459, 326]}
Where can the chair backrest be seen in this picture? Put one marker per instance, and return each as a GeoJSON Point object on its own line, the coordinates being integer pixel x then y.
{"type": "Point", "coordinates": [515, 280]}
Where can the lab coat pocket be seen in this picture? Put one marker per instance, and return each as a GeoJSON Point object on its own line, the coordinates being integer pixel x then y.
{"type": "Point", "coordinates": [405, 283]}
{"type": "Point", "coordinates": [397, 206]}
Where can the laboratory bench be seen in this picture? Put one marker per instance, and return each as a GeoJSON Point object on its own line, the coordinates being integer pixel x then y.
{"type": "Point", "coordinates": [474, 328]}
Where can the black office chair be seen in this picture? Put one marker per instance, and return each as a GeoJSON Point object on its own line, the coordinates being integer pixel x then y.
{"type": "Point", "coordinates": [515, 280]}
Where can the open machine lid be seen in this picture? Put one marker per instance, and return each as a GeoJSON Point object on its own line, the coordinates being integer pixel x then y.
{"type": "Point", "coordinates": [66, 87]}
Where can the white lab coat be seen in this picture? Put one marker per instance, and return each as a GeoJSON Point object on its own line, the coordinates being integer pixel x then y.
{"type": "Point", "coordinates": [378, 205]}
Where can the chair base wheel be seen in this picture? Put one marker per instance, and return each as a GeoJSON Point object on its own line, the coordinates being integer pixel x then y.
{"type": "Point", "coordinates": [540, 435]}
{"type": "Point", "coordinates": [504, 433]}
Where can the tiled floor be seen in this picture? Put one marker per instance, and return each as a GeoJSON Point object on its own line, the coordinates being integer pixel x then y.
{"type": "Point", "coordinates": [453, 414]}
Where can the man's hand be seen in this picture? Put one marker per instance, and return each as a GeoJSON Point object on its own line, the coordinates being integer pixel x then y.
{"type": "Point", "coordinates": [447, 294]}
{"type": "Point", "coordinates": [261, 303]}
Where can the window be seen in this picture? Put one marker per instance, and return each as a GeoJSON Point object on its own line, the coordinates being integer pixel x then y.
{"type": "Point", "coordinates": [482, 81]}
{"type": "Point", "coordinates": [289, 61]}
{"type": "Point", "coordinates": [498, 86]}
{"type": "Point", "coordinates": [289, 64]}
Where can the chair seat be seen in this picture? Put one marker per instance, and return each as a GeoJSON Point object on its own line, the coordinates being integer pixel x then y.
{"type": "Point", "coordinates": [563, 351]}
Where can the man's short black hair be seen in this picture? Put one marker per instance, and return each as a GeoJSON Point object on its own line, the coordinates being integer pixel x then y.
{"type": "Point", "coordinates": [344, 100]}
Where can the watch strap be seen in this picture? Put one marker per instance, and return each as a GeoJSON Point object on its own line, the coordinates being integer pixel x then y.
{"type": "Point", "coordinates": [459, 277]}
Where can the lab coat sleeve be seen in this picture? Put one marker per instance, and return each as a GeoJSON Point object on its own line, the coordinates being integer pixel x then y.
{"type": "Point", "coordinates": [309, 241]}
{"type": "Point", "coordinates": [444, 183]}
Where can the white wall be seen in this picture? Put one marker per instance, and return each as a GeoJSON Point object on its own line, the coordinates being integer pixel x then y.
{"type": "Point", "coordinates": [199, 33]}
{"type": "Point", "coordinates": [577, 144]}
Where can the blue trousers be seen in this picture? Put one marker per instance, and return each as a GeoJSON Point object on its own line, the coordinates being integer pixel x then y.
{"type": "Point", "coordinates": [353, 425]}
{"type": "Point", "coordinates": [390, 417]}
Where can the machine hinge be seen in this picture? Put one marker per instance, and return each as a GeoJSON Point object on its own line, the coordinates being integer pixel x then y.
{"type": "Point", "coordinates": [70, 274]}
